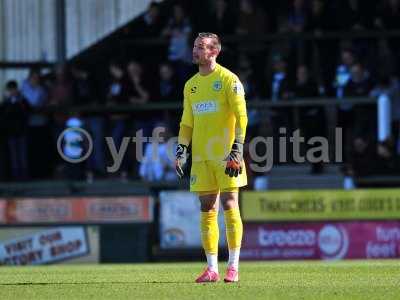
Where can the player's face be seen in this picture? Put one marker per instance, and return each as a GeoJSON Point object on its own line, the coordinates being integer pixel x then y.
{"type": "Point", "coordinates": [203, 51]}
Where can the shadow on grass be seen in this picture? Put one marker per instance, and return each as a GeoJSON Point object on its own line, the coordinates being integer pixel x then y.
{"type": "Point", "coordinates": [93, 283]}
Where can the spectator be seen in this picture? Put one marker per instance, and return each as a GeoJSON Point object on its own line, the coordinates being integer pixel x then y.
{"type": "Point", "coordinates": [3, 145]}
{"type": "Point", "coordinates": [252, 19]}
{"type": "Point", "coordinates": [40, 141]}
{"type": "Point", "coordinates": [137, 93]}
{"type": "Point", "coordinates": [280, 90]}
{"type": "Point", "coordinates": [388, 15]}
{"type": "Point", "coordinates": [297, 18]}
{"type": "Point", "coordinates": [358, 123]}
{"type": "Point", "coordinates": [160, 165]}
{"type": "Point", "coordinates": [168, 86]}
{"type": "Point", "coordinates": [168, 91]}
{"type": "Point", "coordinates": [61, 93]}
{"type": "Point", "coordinates": [305, 86]}
{"type": "Point", "coordinates": [178, 30]}
{"type": "Point", "coordinates": [246, 75]}
{"type": "Point", "coordinates": [312, 118]}
{"type": "Point", "coordinates": [368, 159]}
{"type": "Point", "coordinates": [33, 91]}
{"type": "Point", "coordinates": [394, 94]}
{"type": "Point", "coordinates": [387, 162]}
{"type": "Point", "coordinates": [118, 95]}
{"type": "Point", "coordinates": [343, 72]}
{"type": "Point", "coordinates": [16, 112]}
{"type": "Point", "coordinates": [82, 86]}
{"type": "Point", "coordinates": [297, 22]}
{"type": "Point", "coordinates": [149, 24]}
{"type": "Point", "coordinates": [222, 20]}
{"type": "Point", "coordinates": [387, 18]}
{"type": "Point", "coordinates": [363, 158]}
{"type": "Point", "coordinates": [359, 84]}
{"type": "Point", "coordinates": [321, 20]}
{"type": "Point", "coordinates": [280, 80]}
{"type": "Point", "coordinates": [355, 15]}
{"type": "Point", "coordinates": [94, 123]}
{"type": "Point", "coordinates": [62, 89]}
{"type": "Point", "coordinates": [116, 92]}
{"type": "Point", "coordinates": [135, 89]}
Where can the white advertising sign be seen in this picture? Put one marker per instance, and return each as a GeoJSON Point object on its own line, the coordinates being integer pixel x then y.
{"type": "Point", "coordinates": [180, 220]}
{"type": "Point", "coordinates": [45, 247]}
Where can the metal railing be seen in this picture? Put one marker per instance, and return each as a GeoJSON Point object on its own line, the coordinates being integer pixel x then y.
{"type": "Point", "coordinates": [175, 105]}
{"type": "Point", "coordinates": [306, 36]}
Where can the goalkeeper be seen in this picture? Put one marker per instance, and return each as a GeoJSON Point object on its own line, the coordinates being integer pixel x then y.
{"type": "Point", "coordinates": [214, 120]}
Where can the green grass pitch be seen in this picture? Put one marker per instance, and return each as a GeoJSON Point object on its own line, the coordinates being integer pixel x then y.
{"type": "Point", "coordinates": [259, 280]}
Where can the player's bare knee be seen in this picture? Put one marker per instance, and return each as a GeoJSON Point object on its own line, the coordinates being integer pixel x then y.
{"type": "Point", "coordinates": [229, 200]}
{"type": "Point", "coordinates": [206, 207]}
{"type": "Point", "coordinates": [208, 203]}
{"type": "Point", "coordinates": [229, 204]}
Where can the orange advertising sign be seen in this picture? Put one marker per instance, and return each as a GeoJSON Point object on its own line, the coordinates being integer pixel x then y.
{"type": "Point", "coordinates": [76, 210]}
{"type": "Point", "coordinates": [3, 211]}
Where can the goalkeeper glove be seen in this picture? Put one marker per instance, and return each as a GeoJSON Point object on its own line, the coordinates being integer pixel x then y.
{"type": "Point", "coordinates": [234, 164]}
{"type": "Point", "coordinates": [181, 158]}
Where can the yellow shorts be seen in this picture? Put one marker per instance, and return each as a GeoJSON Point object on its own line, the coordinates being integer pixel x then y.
{"type": "Point", "coordinates": [210, 176]}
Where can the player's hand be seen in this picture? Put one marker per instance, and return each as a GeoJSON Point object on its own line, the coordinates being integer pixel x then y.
{"type": "Point", "coordinates": [234, 161]}
{"type": "Point", "coordinates": [181, 158]}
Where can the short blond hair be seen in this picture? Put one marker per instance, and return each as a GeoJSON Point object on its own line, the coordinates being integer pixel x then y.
{"type": "Point", "coordinates": [216, 40]}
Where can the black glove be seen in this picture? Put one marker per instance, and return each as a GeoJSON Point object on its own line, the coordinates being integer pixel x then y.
{"type": "Point", "coordinates": [181, 158]}
{"type": "Point", "coordinates": [234, 164]}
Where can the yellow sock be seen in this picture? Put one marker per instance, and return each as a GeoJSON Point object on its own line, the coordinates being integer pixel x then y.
{"type": "Point", "coordinates": [209, 231]}
{"type": "Point", "coordinates": [234, 228]}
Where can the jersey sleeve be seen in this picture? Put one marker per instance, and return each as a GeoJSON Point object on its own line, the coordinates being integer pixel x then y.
{"type": "Point", "coordinates": [237, 102]}
{"type": "Point", "coordinates": [187, 115]}
{"type": "Point", "coordinates": [186, 125]}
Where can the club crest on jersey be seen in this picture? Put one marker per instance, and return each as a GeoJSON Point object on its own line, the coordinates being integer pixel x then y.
{"type": "Point", "coordinates": [193, 90]}
{"type": "Point", "coordinates": [217, 85]}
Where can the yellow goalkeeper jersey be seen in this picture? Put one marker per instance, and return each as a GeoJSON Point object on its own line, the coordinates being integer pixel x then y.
{"type": "Point", "coordinates": [214, 106]}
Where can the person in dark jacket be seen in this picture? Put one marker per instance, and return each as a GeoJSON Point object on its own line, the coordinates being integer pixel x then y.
{"type": "Point", "coordinates": [359, 121]}
{"type": "Point", "coordinates": [312, 118]}
{"type": "Point", "coordinates": [15, 122]}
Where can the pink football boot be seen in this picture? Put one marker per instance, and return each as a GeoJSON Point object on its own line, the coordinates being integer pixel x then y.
{"type": "Point", "coordinates": [232, 275]}
{"type": "Point", "coordinates": [208, 276]}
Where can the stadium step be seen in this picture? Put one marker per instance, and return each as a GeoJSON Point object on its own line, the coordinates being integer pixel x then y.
{"type": "Point", "coordinates": [302, 169]}
{"type": "Point", "coordinates": [299, 177]}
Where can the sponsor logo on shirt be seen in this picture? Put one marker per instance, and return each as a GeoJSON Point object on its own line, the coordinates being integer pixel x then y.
{"type": "Point", "coordinates": [193, 179]}
{"type": "Point", "coordinates": [217, 85]}
{"type": "Point", "coordinates": [208, 106]}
